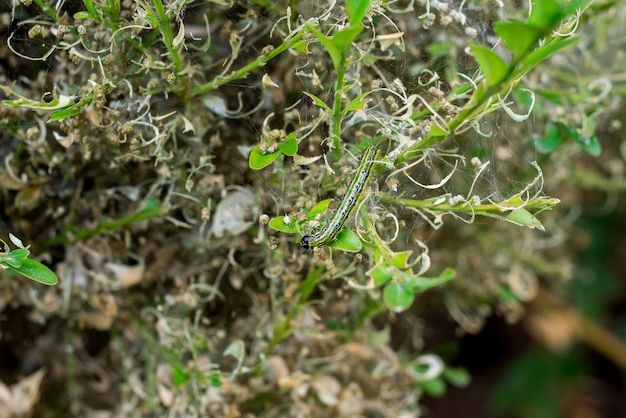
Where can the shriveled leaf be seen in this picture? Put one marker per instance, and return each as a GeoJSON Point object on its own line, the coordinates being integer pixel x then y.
{"type": "Point", "coordinates": [28, 198]}
{"type": "Point", "coordinates": [26, 394]}
{"type": "Point", "coordinates": [126, 275]}
{"type": "Point", "coordinates": [266, 81]}
{"type": "Point", "coordinates": [236, 349]}
{"type": "Point", "coordinates": [327, 388]}
{"type": "Point", "coordinates": [16, 241]}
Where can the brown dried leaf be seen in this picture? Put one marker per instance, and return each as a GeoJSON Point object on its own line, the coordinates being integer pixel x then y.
{"type": "Point", "coordinates": [327, 389]}
{"type": "Point", "coordinates": [125, 275]}
{"type": "Point", "coordinates": [6, 402]}
{"type": "Point", "coordinates": [25, 393]}
{"type": "Point", "coordinates": [28, 198]}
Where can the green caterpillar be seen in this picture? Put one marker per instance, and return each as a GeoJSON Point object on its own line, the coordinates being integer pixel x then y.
{"type": "Point", "coordinates": [335, 225]}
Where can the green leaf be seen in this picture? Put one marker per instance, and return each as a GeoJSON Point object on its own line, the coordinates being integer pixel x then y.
{"type": "Point", "coordinates": [585, 138]}
{"type": "Point", "coordinates": [441, 48]}
{"type": "Point", "coordinates": [545, 14]}
{"type": "Point", "coordinates": [63, 114]}
{"type": "Point", "coordinates": [15, 257]}
{"type": "Point", "coordinates": [397, 297]}
{"type": "Point", "coordinates": [82, 15]}
{"type": "Point", "coordinates": [356, 104]}
{"type": "Point", "coordinates": [436, 131]}
{"type": "Point", "coordinates": [347, 241]}
{"type": "Point", "coordinates": [380, 274]}
{"type": "Point", "coordinates": [550, 141]}
{"type": "Point", "coordinates": [401, 259]}
{"type": "Point", "coordinates": [434, 387]}
{"type": "Point", "coordinates": [519, 37]}
{"type": "Point", "coordinates": [36, 271]}
{"type": "Point", "coordinates": [258, 160]}
{"type": "Point", "coordinates": [574, 5]}
{"type": "Point", "coordinates": [356, 10]}
{"type": "Point", "coordinates": [179, 376]}
{"type": "Point", "coordinates": [522, 217]}
{"type": "Point", "coordinates": [335, 53]}
{"type": "Point", "coordinates": [343, 39]}
{"type": "Point", "coordinates": [491, 64]}
{"type": "Point", "coordinates": [90, 7]}
{"type": "Point", "coordinates": [319, 209]}
{"type": "Point", "coordinates": [459, 377]}
{"type": "Point", "coordinates": [547, 50]}
{"type": "Point", "coordinates": [318, 101]}
{"type": "Point", "coordinates": [215, 380]}
{"type": "Point", "coordinates": [420, 284]}
{"type": "Point", "coordinates": [290, 146]}
{"type": "Point", "coordinates": [283, 224]}
{"type": "Point", "coordinates": [590, 145]}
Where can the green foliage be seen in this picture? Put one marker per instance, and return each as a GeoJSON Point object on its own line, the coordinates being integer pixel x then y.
{"type": "Point", "coordinates": [558, 133]}
{"type": "Point", "coordinates": [288, 146]}
{"type": "Point", "coordinates": [530, 42]}
{"type": "Point", "coordinates": [356, 11]}
{"type": "Point", "coordinates": [18, 261]}
{"type": "Point", "coordinates": [163, 107]}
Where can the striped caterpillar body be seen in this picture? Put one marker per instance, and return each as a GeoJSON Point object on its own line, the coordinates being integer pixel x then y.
{"type": "Point", "coordinates": [335, 225]}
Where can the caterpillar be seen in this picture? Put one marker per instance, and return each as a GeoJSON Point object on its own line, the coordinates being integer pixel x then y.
{"type": "Point", "coordinates": [335, 225]}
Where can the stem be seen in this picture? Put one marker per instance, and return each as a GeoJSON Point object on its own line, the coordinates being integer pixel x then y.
{"type": "Point", "coordinates": [168, 36]}
{"type": "Point", "coordinates": [244, 71]}
{"type": "Point", "coordinates": [306, 289]}
{"type": "Point", "coordinates": [335, 128]}
{"type": "Point", "coordinates": [150, 210]}
{"type": "Point", "coordinates": [539, 203]}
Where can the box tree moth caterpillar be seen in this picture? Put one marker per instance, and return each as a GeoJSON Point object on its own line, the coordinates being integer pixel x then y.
{"type": "Point", "coordinates": [332, 228]}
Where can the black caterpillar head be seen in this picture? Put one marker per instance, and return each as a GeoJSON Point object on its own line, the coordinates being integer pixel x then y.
{"type": "Point", "coordinates": [305, 241]}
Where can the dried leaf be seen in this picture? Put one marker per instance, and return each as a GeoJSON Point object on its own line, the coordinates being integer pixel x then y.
{"type": "Point", "coordinates": [268, 82]}
{"type": "Point", "coordinates": [6, 401]}
{"type": "Point", "coordinates": [26, 393]}
{"type": "Point", "coordinates": [125, 275]}
{"type": "Point", "coordinates": [327, 389]}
